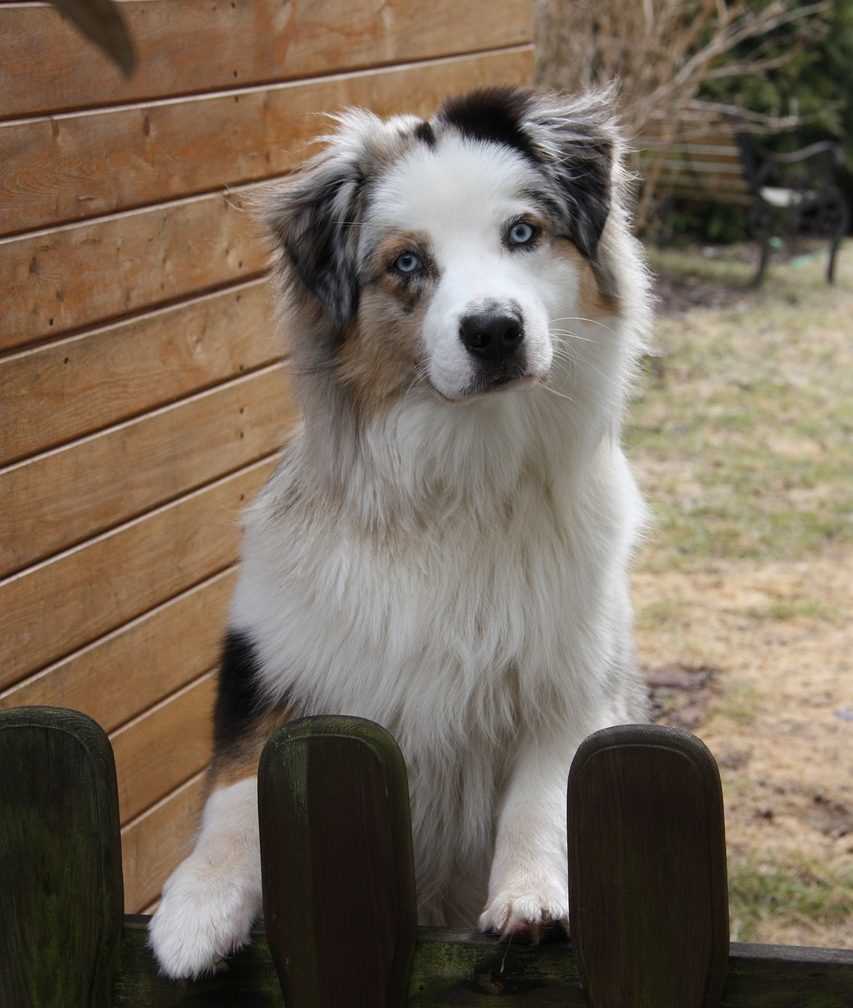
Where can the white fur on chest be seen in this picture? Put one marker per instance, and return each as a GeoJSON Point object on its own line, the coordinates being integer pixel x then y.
{"type": "Point", "coordinates": [419, 631]}
{"type": "Point", "coordinates": [458, 633]}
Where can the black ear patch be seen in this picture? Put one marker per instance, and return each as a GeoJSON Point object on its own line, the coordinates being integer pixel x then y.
{"type": "Point", "coordinates": [315, 218]}
{"type": "Point", "coordinates": [570, 140]}
{"type": "Point", "coordinates": [577, 144]}
{"type": "Point", "coordinates": [493, 114]}
{"type": "Point", "coordinates": [586, 187]}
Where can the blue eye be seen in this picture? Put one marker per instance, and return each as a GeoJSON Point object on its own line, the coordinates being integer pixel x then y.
{"type": "Point", "coordinates": [521, 233]}
{"type": "Point", "coordinates": [407, 263]}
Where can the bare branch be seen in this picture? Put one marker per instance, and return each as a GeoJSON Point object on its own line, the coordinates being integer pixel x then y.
{"type": "Point", "coordinates": [662, 52]}
{"type": "Point", "coordinates": [757, 66]}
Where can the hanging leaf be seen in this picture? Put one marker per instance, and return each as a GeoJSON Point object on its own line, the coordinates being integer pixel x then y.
{"type": "Point", "coordinates": [103, 23]}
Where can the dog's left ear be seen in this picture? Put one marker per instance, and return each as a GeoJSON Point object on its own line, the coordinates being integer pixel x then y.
{"type": "Point", "coordinates": [577, 142]}
{"type": "Point", "coordinates": [314, 217]}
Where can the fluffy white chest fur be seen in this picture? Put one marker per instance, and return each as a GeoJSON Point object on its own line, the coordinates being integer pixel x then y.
{"type": "Point", "coordinates": [444, 547]}
{"type": "Point", "coordinates": [494, 612]}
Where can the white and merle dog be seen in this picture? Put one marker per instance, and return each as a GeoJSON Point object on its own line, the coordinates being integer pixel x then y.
{"type": "Point", "coordinates": [444, 546]}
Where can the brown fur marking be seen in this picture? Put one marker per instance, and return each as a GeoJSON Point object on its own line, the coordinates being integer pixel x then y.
{"type": "Point", "coordinates": [241, 760]}
{"type": "Point", "coordinates": [380, 356]}
{"type": "Point", "coordinates": [593, 302]}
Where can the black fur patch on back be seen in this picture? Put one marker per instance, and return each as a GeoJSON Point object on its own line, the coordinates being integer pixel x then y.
{"type": "Point", "coordinates": [493, 114]}
{"type": "Point", "coordinates": [238, 699]}
{"type": "Point", "coordinates": [424, 132]}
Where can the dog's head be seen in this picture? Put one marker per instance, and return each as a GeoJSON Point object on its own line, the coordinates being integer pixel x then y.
{"type": "Point", "coordinates": [448, 254]}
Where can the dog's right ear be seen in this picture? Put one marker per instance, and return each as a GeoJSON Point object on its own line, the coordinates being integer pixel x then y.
{"type": "Point", "coordinates": [314, 217]}
{"type": "Point", "coordinates": [577, 141]}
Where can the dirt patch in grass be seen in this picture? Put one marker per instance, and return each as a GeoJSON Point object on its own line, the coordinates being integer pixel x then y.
{"type": "Point", "coordinates": [742, 439]}
{"type": "Point", "coordinates": [677, 294]}
{"type": "Point", "coordinates": [680, 694]}
{"type": "Point", "coordinates": [715, 277]}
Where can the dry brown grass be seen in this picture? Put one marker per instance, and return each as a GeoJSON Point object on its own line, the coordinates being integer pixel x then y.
{"type": "Point", "coordinates": [743, 443]}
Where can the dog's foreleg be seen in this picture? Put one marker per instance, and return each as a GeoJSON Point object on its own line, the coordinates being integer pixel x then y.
{"type": "Point", "coordinates": [211, 900]}
{"type": "Point", "coordinates": [528, 884]}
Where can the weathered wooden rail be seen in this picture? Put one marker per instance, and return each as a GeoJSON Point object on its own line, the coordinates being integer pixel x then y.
{"type": "Point", "coordinates": [646, 869]}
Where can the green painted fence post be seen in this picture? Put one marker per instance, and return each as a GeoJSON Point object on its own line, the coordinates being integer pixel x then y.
{"type": "Point", "coordinates": [336, 853]}
{"type": "Point", "coordinates": [647, 869]}
{"type": "Point", "coordinates": [60, 861]}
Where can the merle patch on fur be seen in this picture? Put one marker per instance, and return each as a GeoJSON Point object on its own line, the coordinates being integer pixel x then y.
{"type": "Point", "coordinates": [238, 701]}
{"type": "Point", "coordinates": [576, 156]}
{"type": "Point", "coordinates": [424, 132]}
{"type": "Point", "coordinates": [587, 189]}
{"type": "Point", "coordinates": [315, 227]}
{"type": "Point", "coordinates": [492, 114]}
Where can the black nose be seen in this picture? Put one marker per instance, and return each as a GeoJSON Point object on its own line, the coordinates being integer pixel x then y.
{"type": "Point", "coordinates": [493, 336]}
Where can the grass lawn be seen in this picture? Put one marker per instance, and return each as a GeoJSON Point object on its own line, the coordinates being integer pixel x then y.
{"type": "Point", "coordinates": [741, 435]}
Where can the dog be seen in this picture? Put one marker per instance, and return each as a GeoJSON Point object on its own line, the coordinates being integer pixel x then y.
{"type": "Point", "coordinates": [444, 546]}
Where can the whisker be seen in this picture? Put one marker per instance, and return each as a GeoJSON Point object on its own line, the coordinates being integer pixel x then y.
{"type": "Point", "coordinates": [580, 318]}
{"type": "Point", "coordinates": [553, 391]}
{"type": "Point", "coordinates": [572, 335]}
{"type": "Point", "coordinates": [601, 374]}
{"type": "Point", "coordinates": [562, 354]}
{"type": "Point", "coordinates": [420, 375]}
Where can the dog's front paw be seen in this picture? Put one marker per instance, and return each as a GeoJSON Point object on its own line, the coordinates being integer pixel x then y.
{"type": "Point", "coordinates": [526, 909]}
{"type": "Point", "coordinates": [203, 917]}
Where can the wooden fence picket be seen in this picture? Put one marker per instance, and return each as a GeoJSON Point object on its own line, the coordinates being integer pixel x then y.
{"type": "Point", "coordinates": [647, 869]}
{"type": "Point", "coordinates": [60, 861]}
{"type": "Point", "coordinates": [336, 853]}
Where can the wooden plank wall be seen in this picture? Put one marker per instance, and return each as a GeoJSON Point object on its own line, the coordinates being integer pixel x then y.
{"type": "Point", "coordinates": [143, 391]}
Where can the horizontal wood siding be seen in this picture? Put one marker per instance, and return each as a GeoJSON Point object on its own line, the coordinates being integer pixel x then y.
{"type": "Point", "coordinates": [154, 842]}
{"type": "Point", "coordinates": [55, 393]}
{"type": "Point", "coordinates": [143, 384]}
{"type": "Point", "coordinates": [133, 667]}
{"type": "Point", "coordinates": [81, 274]}
{"type": "Point", "coordinates": [137, 154]}
{"type": "Point", "coordinates": [165, 746]}
{"type": "Point", "coordinates": [210, 45]}
{"type": "Point", "coordinates": [164, 454]}
{"type": "Point", "coordinates": [64, 603]}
